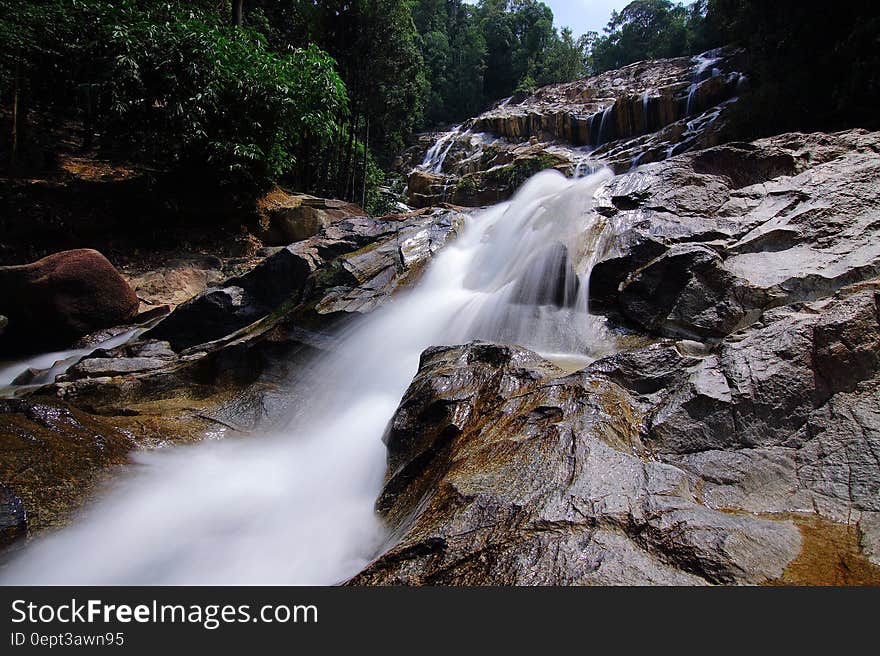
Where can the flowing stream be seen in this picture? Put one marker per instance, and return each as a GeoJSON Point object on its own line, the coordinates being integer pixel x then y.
{"type": "Point", "coordinates": [297, 507]}
{"type": "Point", "coordinates": [47, 366]}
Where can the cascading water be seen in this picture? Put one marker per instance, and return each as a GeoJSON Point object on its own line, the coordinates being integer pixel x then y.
{"type": "Point", "coordinates": [703, 62]}
{"type": "Point", "coordinates": [298, 506]}
{"type": "Point", "coordinates": [48, 366]}
{"type": "Point", "coordinates": [604, 125]}
{"type": "Point", "coordinates": [436, 155]}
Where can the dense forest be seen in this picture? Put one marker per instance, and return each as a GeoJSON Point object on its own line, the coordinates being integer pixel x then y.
{"type": "Point", "coordinates": [325, 94]}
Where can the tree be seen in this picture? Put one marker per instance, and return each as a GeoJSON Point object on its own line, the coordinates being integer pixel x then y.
{"type": "Point", "coordinates": [810, 69]}
{"type": "Point", "coordinates": [644, 29]}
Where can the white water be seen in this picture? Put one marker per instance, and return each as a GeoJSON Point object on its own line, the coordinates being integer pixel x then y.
{"type": "Point", "coordinates": [606, 113]}
{"type": "Point", "coordinates": [436, 155]}
{"type": "Point", "coordinates": [51, 365]}
{"type": "Point", "coordinates": [298, 507]}
{"type": "Point", "coordinates": [703, 61]}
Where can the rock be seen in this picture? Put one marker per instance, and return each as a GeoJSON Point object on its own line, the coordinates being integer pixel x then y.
{"type": "Point", "coordinates": [177, 282]}
{"type": "Point", "coordinates": [504, 470]}
{"type": "Point", "coordinates": [13, 518]}
{"type": "Point", "coordinates": [52, 453]}
{"type": "Point", "coordinates": [286, 218]}
{"type": "Point", "coordinates": [767, 431]}
{"type": "Point", "coordinates": [352, 266]}
{"type": "Point", "coordinates": [642, 113]}
{"type": "Point", "coordinates": [53, 301]}
{"type": "Point", "coordinates": [707, 242]}
{"type": "Point", "coordinates": [686, 292]}
{"type": "Point", "coordinates": [427, 189]}
{"type": "Point", "coordinates": [94, 367]}
{"type": "Point", "coordinates": [240, 302]}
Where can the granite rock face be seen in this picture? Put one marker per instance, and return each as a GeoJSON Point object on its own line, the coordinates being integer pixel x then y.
{"type": "Point", "coordinates": [742, 446]}
{"type": "Point", "coordinates": [641, 113]}
{"type": "Point", "coordinates": [658, 465]}
{"type": "Point", "coordinates": [706, 242]}
{"type": "Point", "coordinates": [505, 470]}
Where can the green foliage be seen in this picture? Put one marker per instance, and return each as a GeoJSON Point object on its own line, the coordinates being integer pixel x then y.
{"type": "Point", "coordinates": [475, 55]}
{"type": "Point", "coordinates": [173, 83]}
{"type": "Point", "coordinates": [810, 69]}
{"type": "Point", "coordinates": [376, 45]}
{"type": "Point", "coordinates": [647, 29]}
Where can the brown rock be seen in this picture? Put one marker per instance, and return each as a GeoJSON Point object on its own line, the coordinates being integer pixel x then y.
{"type": "Point", "coordinates": [287, 218]}
{"type": "Point", "coordinates": [53, 301]}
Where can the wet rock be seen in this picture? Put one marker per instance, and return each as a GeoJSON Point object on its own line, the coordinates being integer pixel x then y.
{"type": "Point", "coordinates": [351, 266]}
{"type": "Point", "coordinates": [642, 113]}
{"type": "Point", "coordinates": [53, 301]}
{"type": "Point", "coordinates": [505, 470]}
{"type": "Point", "coordinates": [668, 463]}
{"type": "Point", "coordinates": [51, 454]}
{"type": "Point", "coordinates": [13, 518]}
{"type": "Point", "coordinates": [685, 293]}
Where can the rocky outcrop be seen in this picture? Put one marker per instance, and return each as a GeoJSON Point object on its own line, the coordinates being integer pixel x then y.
{"type": "Point", "coordinates": [55, 300]}
{"type": "Point", "coordinates": [616, 105]}
{"type": "Point", "coordinates": [285, 218]}
{"type": "Point", "coordinates": [663, 464]}
{"type": "Point", "coordinates": [504, 470]}
{"type": "Point", "coordinates": [224, 367]}
{"type": "Point", "coordinates": [641, 113]}
{"type": "Point", "coordinates": [708, 241]}
{"type": "Point", "coordinates": [352, 266]}
{"type": "Point", "coordinates": [742, 446]}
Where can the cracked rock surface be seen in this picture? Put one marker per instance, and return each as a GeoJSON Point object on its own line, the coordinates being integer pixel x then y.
{"type": "Point", "coordinates": [742, 446]}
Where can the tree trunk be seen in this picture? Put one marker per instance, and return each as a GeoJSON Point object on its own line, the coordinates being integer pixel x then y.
{"type": "Point", "coordinates": [16, 116]}
{"type": "Point", "coordinates": [366, 154]}
{"type": "Point", "coordinates": [237, 12]}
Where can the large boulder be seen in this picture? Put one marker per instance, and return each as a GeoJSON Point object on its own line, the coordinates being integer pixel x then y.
{"type": "Point", "coordinates": [52, 302]}
{"type": "Point", "coordinates": [286, 218]}
{"type": "Point", "coordinates": [351, 266]}
{"type": "Point", "coordinates": [706, 242]}
{"type": "Point", "coordinates": [504, 470]}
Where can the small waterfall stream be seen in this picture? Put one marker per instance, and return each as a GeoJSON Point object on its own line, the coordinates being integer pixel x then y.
{"type": "Point", "coordinates": [436, 155]}
{"type": "Point", "coordinates": [297, 507]}
{"type": "Point", "coordinates": [48, 366]}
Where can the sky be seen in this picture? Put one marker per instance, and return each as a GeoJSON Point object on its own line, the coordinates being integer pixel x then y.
{"type": "Point", "coordinates": [582, 15]}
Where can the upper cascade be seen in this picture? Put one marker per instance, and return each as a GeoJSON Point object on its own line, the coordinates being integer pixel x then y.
{"type": "Point", "coordinates": [641, 113]}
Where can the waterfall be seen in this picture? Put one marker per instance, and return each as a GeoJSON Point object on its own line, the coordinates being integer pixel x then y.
{"type": "Point", "coordinates": [603, 125]}
{"type": "Point", "coordinates": [297, 507]}
{"type": "Point", "coordinates": [436, 155]}
{"type": "Point", "coordinates": [48, 366]}
{"type": "Point", "coordinates": [703, 62]}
